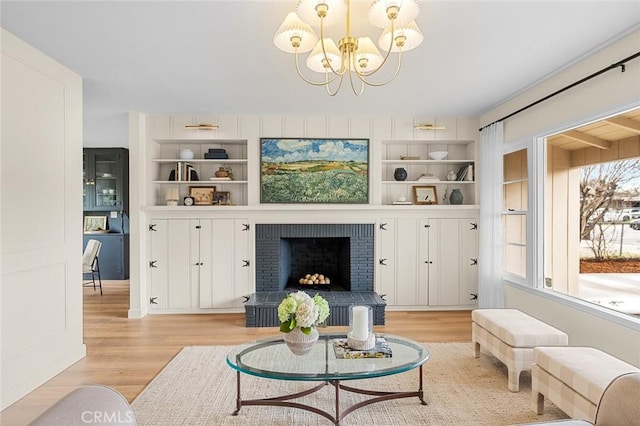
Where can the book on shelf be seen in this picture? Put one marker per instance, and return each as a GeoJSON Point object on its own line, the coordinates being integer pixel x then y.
{"type": "Point", "coordinates": [427, 177]}
{"type": "Point", "coordinates": [219, 179]}
{"type": "Point", "coordinates": [184, 172]}
{"type": "Point", "coordinates": [343, 351]}
{"type": "Point", "coordinates": [403, 203]}
{"type": "Point", "coordinates": [465, 173]}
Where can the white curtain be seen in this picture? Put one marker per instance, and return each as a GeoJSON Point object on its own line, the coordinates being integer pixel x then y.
{"type": "Point", "coordinates": [490, 288]}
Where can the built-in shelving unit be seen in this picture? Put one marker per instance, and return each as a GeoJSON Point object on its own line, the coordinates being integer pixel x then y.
{"type": "Point", "coordinates": [460, 154]}
{"type": "Point", "coordinates": [165, 155]}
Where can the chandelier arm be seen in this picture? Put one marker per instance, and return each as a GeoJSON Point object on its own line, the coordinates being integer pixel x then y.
{"type": "Point", "coordinates": [337, 88]}
{"type": "Point", "coordinates": [369, 83]}
{"type": "Point", "coordinates": [324, 52]}
{"type": "Point", "coordinates": [353, 88]}
{"type": "Point", "coordinates": [365, 74]}
{"type": "Point", "coordinates": [314, 83]}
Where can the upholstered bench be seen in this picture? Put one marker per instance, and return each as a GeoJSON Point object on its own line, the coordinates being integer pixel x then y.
{"type": "Point", "coordinates": [510, 335]}
{"type": "Point", "coordinates": [573, 378]}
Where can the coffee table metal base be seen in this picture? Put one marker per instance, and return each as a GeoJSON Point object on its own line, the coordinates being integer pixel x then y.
{"type": "Point", "coordinates": [284, 400]}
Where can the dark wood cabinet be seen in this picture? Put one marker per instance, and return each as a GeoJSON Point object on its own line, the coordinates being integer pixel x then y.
{"type": "Point", "coordinates": [106, 193]}
{"type": "Point", "coordinates": [114, 255]}
{"type": "Point", "coordinates": [106, 179]}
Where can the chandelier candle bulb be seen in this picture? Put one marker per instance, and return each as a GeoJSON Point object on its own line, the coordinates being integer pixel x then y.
{"type": "Point", "coordinates": [360, 336]}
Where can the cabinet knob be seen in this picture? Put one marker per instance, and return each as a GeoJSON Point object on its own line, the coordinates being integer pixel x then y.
{"type": "Point", "coordinates": [383, 226]}
{"type": "Point", "coordinates": [383, 262]}
{"type": "Point", "coordinates": [474, 296]}
{"type": "Point", "coordinates": [473, 262]}
{"type": "Point", "coordinates": [474, 226]}
{"type": "Point", "coordinates": [245, 226]}
{"type": "Point", "coordinates": [245, 263]}
{"type": "Point", "coordinates": [152, 264]}
{"type": "Point", "coordinates": [152, 227]}
{"type": "Point", "coordinates": [428, 261]}
{"type": "Point", "coordinates": [152, 301]}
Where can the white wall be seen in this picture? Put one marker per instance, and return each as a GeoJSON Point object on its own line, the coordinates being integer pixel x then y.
{"type": "Point", "coordinates": [604, 95]}
{"type": "Point", "coordinates": [106, 130]}
{"type": "Point", "coordinates": [41, 219]}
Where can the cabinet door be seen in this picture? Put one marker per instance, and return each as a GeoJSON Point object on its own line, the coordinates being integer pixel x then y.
{"type": "Point", "coordinates": [386, 265]}
{"type": "Point", "coordinates": [107, 166]}
{"type": "Point", "coordinates": [469, 262]}
{"type": "Point", "coordinates": [243, 264]}
{"type": "Point", "coordinates": [407, 243]}
{"type": "Point", "coordinates": [451, 262]}
{"type": "Point", "coordinates": [397, 257]}
{"type": "Point", "coordinates": [170, 264]}
{"type": "Point", "coordinates": [88, 187]}
{"type": "Point", "coordinates": [216, 289]}
{"type": "Point", "coordinates": [105, 177]}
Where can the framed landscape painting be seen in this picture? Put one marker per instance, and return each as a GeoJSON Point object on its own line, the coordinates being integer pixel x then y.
{"type": "Point", "coordinates": [306, 170]}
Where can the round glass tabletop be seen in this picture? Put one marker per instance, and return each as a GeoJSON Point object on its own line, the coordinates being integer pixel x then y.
{"type": "Point", "coordinates": [271, 358]}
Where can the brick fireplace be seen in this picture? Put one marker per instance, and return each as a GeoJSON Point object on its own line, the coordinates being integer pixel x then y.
{"type": "Point", "coordinates": [287, 252]}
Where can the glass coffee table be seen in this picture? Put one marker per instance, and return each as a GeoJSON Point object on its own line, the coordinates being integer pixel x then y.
{"type": "Point", "coordinates": [270, 358]}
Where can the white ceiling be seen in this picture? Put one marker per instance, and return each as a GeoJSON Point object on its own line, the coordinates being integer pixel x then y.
{"type": "Point", "coordinates": [216, 57]}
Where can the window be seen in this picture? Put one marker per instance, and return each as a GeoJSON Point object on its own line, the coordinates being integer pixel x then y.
{"type": "Point", "coordinates": [592, 186]}
{"type": "Point", "coordinates": [514, 213]}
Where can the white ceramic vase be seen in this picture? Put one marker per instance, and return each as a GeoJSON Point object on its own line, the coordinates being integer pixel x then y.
{"type": "Point", "coordinates": [186, 154]}
{"type": "Point", "coordinates": [300, 343]}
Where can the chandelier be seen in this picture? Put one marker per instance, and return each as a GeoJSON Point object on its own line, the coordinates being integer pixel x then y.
{"type": "Point", "coordinates": [355, 56]}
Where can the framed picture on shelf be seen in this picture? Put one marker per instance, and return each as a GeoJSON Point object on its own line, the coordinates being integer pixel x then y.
{"type": "Point", "coordinates": [425, 195]}
{"type": "Point", "coordinates": [321, 171]}
{"type": "Point", "coordinates": [221, 198]}
{"type": "Point", "coordinates": [202, 195]}
{"type": "Point", "coordinates": [95, 224]}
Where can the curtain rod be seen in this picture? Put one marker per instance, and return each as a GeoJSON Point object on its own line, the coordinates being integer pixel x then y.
{"type": "Point", "coordinates": [620, 64]}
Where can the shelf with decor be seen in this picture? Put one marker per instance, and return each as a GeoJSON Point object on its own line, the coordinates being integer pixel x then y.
{"type": "Point", "coordinates": [443, 164]}
{"type": "Point", "coordinates": [183, 163]}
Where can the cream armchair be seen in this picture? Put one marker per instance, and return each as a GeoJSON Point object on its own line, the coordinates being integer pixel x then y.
{"type": "Point", "coordinates": [619, 404]}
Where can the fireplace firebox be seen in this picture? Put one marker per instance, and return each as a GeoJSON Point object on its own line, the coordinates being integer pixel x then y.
{"type": "Point", "coordinates": [285, 253]}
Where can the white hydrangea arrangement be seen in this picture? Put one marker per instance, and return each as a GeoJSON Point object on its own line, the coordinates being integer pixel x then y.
{"type": "Point", "coordinates": [301, 310]}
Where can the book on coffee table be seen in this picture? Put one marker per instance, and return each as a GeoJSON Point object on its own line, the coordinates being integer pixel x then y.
{"type": "Point", "coordinates": [343, 351]}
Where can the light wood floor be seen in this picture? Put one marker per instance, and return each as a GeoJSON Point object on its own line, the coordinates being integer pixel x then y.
{"type": "Point", "coordinates": [127, 353]}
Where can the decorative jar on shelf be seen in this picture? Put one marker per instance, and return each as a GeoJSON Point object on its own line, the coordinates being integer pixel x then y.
{"type": "Point", "coordinates": [186, 154]}
{"type": "Point", "coordinates": [222, 172]}
{"type": "Point", "coordinates": [455, 197]}
{"type": "Point", "coordinates": [400, 174]}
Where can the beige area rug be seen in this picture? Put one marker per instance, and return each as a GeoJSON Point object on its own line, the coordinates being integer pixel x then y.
{"type": "Point", "coordinates": [198, 388]}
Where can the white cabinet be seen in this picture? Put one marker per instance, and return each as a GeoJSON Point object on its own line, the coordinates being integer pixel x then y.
{"type": "Point", "coordinates": [413, 156]}
{"type": "Point", "coordinates": [165, 160]}
{"type": "Point", "coordinates": [427, 262]}
{"type": "Point", "coordinates": [226, 278]}
{"type": "Point", "coordinates": [198, 264]}
{"type": "Point", "coordinates": [397, 261]}
{"type": "Point", "coordinates": [450, 257]}
{"type": "Point", "coordinates": [172, 270]}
